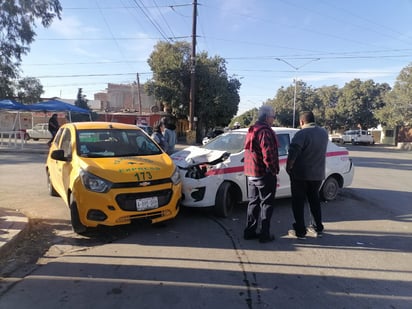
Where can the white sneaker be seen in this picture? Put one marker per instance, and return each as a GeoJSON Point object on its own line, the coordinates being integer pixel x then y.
{"type": "Point", "coordinates": [313, 231]}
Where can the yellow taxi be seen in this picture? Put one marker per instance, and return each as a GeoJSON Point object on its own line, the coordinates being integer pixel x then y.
{"type": "Point", "coordinates": [111, 173]}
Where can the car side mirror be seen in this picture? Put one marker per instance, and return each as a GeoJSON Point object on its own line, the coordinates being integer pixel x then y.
{"type": "Point", "coordinates": [58, 155]}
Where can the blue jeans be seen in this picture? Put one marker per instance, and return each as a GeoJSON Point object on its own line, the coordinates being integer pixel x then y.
{"type": "Point", "coordinates": [261, 202]}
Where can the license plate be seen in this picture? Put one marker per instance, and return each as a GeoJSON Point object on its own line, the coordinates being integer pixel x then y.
{"type": "Point", "coordinates": [147, 203]}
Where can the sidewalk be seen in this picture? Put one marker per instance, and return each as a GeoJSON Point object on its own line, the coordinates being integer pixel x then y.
{"type": "Point", "coordinates": [12, 225]}
{"type": "Point", "coordinates": [28, 147]}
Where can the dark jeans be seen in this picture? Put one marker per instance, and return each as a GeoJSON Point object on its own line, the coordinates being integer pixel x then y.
{"type": "Point", "coordinates": [261, 202]}
{"type": "Point", "coordinates": [302, 189]}
{"type": "Point", "coordinates": [53, 134]}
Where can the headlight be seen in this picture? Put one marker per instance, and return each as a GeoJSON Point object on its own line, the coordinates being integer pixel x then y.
{"type": "Point", "coordinates": [93, 183]}
{"type": "Point", "coordinates": [175, 177]}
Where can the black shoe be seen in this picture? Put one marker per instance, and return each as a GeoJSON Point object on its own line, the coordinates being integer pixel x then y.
{"type": "Point", "coordinates": [298, 236]}
{"type": "Point", "coordinates": [250, 235]}
{"type": "Point", "coordinates": [264, 239]}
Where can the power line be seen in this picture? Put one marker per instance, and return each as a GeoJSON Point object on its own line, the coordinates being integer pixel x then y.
{"type": "Point", "coordinates": [153, 22]}
{"type": "Point", "coordinates": [164, 19]}
{"type": "Point", "coordinates": [91, 75]}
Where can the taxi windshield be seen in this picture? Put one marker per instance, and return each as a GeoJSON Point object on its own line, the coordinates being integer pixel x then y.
{"type": "Point", "coordinates": [95, 143]}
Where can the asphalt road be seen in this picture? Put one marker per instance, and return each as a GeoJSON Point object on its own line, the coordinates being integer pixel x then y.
{"type": "Point", "coordinates": [199, 261]}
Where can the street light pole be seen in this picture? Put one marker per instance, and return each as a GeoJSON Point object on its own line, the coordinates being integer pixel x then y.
{"type": "Point", "coordinates": [295, 81]}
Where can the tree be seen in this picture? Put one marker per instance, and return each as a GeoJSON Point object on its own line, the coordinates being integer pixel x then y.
{"type": "Point", "coordinates": [29, 90]}
{"type": "Point", "coordinates": [306, 99]}
{"type": "Point", "coordinates": [358, 102]}
{"type": "Point", "coordinates": [216, 94]}
{"type": "Point", "coordinates": [170, 64]}
{"type": "Point", "coordinates": [329, 96]}
{"type": "Point", "coordinates": [398, 108]}
{"type": "Point", "coordinates": [217, 98]}
{"type": "Point", "coordinates": [17, 22]}
{"type": "Point", "coordinates": [246, 119]}
{"type": "Point", "coordinates": [81, 102]}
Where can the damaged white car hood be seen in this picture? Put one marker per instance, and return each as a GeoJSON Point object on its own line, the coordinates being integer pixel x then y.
{"type": "Point", "coordinates": [194, 155]}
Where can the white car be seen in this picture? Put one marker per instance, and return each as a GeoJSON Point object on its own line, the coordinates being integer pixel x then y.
{"type": "Point", "coordinates": [213, 174]}
{"type": "Point", "coordinates": [39, 131]}
{"type": "Point", "coordinates": [358, 137]}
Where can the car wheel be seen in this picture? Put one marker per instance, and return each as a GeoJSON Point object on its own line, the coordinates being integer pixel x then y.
{"type": "Point", "coordinates": [50, 186]}
{"type": "Point", "coordinates": [225, 201]}
{"type": "Point", "coordinates": [77, 225]}
{"type": "Point", "coordinates": [330, 189]}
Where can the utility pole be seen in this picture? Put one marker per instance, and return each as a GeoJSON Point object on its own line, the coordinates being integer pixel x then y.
{"type": "Point", "coordinates": [295, 81]}
{"type": "Point", "coordinates": [139, 98]}
{"type": "Point", "coordinates": [193, 70]}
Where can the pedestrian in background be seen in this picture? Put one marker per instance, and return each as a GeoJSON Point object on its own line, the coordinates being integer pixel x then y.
{"type": "Point", "coordinates": [158, 135]}
{"type": "Point", "coordinates": [306, 168]}
{"type": "Point", "coordinates": [53, 127]}
{"type": "Point", "coordinates": [170, 135]}
{"type": "Point", "coordinates": [261, 167]}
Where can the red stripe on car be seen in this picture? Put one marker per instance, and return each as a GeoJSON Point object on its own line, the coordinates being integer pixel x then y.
{"type": "Point", "coordinates": [238, 169]}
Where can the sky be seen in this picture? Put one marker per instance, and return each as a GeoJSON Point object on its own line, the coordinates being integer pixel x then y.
{"type": "Point", "coordinates": [267, 44]}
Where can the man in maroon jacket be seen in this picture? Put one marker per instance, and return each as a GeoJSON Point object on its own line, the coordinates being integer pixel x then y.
{"type": "Point", "coordinates": [261, 167]}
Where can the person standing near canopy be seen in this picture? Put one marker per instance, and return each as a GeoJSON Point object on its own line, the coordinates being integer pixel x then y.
{"type": "Point", "coordinates": [53, 127]}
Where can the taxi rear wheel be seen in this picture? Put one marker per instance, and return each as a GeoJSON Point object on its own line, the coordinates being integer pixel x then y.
{"type": "Point", "coordinates": [77, 225]}
{"type": "Point", "coordinates": [330, 189]}
{"type": "Point", "coordinates": [225, 200]}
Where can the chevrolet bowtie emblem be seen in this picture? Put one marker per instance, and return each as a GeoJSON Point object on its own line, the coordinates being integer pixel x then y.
{"type": "Point", "coordinates": [144, 184]}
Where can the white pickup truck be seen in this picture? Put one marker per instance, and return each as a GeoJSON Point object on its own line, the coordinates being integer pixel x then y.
{"type": "Point", "coordinates": [40, 130]}
{"type": "Point", "coordinates": [358, 137]}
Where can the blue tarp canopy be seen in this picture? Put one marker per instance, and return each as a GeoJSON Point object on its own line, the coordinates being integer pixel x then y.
{"type": "Point", "coordinates": [56, 106]}
{"type": "Point", "coordinates": [13, 105]}
{"type": "Point", "coordinates": [46, 106]}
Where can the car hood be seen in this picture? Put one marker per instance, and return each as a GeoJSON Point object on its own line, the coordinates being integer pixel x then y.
{"type": "Point", "coordinates": [194, 155]}
{"type": "Point", "coordinates": [125, 168]}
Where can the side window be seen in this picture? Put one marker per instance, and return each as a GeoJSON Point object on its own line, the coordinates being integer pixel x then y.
{"type": "Point", "coordinates": [58, 136]}
{"type": "Point", "coordinates": [284, 142]}
{"type": "Point", "coordinates": [66, 144]}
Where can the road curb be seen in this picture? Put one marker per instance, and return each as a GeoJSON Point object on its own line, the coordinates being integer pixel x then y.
{"type": "Point", "coordinates": [13, 226]}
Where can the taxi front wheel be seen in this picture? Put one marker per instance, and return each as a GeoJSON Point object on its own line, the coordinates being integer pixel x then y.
{"type": "Point", "coordinates": [77, 225]}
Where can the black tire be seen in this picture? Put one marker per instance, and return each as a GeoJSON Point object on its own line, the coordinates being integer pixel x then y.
{"type": "Point", "coordinates": [50, 186]}
{"type": "Point", "coordinates": [330, 189]}
{"type": "Point", "coordinates": [77, 225]}
{"type": "Point", "coordinates": [225, 200]}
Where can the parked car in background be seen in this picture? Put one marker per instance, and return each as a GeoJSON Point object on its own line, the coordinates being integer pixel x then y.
{"type": "Point", "coordinates": [39, 131]}
{"type": "Point", "coordinates": [358, 137]}
{"type": "Point", "coordinates": [110, 174]}
{"type": "Point", "coordinates": [336, 138]}
{"type": "Point", "coordinates": [213, 174]}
